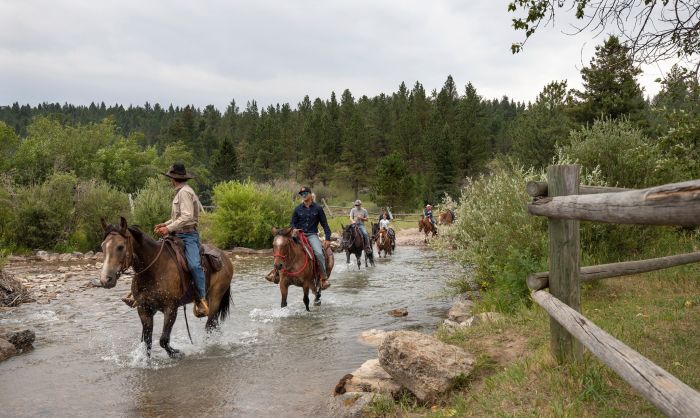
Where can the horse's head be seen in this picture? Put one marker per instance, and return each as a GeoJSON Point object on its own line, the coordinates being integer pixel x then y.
{"type": "Point", "coordinates": [382, 235]}
{"type": "Point", "coordinates": [117, 250]}
{"type": "Point", "coordinates": [280, 246]}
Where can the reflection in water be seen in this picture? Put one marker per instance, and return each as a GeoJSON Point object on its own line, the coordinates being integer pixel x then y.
{"type": "Point", "coordinates": [264, 361]}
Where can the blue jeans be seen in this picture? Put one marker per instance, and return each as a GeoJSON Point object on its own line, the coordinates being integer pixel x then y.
{"type": "Point", "coordinates": [364, 234]}
{"type": "Point", "coordinates": [315, 243]}
{"type": "Point", "coordinates": [191, 240]}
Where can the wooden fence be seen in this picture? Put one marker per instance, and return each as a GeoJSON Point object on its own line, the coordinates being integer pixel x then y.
{"type": "Point", "coordinates": [565, 203]}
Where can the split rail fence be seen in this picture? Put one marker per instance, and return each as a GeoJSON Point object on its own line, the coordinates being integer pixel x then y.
{"type": "Point", "coordinates": [334, 211]}
{"type": "Point", "coordinates": [565, 203]}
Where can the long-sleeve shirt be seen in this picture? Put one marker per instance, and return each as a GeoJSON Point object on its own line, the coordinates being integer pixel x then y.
{"type": "Point", "coordinates": [185, 209]}
{"type": "Point", "coordinates": [308, 218]}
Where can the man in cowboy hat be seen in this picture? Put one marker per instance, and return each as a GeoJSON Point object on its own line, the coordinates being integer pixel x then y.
{"type": "Point", "coordinates": [184, 217]}
{"type": "Point", "coordinates": [306, 218]}
{"type": "Point", "coordinates": [358, 216]}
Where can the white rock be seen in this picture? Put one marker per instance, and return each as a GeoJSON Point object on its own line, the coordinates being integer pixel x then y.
{"type": "Point", "coordinates": [371, 377]}
{"type": "Point", "coordinates": [461, 310]}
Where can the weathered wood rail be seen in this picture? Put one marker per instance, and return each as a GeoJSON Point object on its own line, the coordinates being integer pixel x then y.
{"type": "Point", "coordinates": [565, 204]}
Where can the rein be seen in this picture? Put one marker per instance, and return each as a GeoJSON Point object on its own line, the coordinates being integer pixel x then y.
{"type": "Point", "coordinates": [277, 254]}
{"type": "Point", "coordinates": [128, 261]}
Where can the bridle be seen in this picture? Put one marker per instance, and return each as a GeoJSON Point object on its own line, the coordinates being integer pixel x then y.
{"type": "Point", "coordinates": [278, 255]}
{"type": "Point", "coordinates": [348, 243]}
{"type": "Point", "coordinates": [128, 260]}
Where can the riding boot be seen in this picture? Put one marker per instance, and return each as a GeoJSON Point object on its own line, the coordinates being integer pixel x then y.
{"type": "Point", "coordinates": [129, 300]}
{"type": "Point", "coordinates": [273, 276]}
{"type": "Point", "coordinates": [201, 308]}
{"type": "Point", "coordinates": [325, 284]}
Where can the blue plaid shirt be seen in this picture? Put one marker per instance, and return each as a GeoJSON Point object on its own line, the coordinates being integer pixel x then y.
{"type": "Point", "coordinates": [307, 219]}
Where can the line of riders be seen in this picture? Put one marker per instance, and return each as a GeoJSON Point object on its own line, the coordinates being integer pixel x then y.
{"type": "Point", "coordinates": [306, 218]}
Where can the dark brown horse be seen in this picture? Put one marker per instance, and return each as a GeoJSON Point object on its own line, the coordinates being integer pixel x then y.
{"type": "Point", "coordinates": [352, 241]}
{"type": "Point", "coordinates": [427, 227]}
{"type": "Point", "coordinates": [157, 285]}
{"type": "Point", "coordinates": [383, 242]}
{"type": "Point", "coordinates": [295, 266]}
{"type": "Point", "coordinates": [446, 217]}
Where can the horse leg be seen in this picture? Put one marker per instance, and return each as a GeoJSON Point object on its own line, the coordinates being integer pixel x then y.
{"type": "Point", "coordinates": [359, 261]}
{"type": "Point", "coordinates": [284, 289]}
{"type": "Point", "coordinates": [347, 253]}
{"type": "Point", "coordinates": [146, 316]}
{"type": "Point", "coordinates": [170, 314]}
{"type": "Point", "coordinates": [214, 306]}
{"type": "Point", "coordinates": [306, 295]}
{"type": "Point", "coordinates": [317, 300]}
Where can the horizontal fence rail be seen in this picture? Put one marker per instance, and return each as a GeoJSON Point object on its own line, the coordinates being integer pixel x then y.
{"type": "Point", "coordinates": [539, 281]}
{"type": "Point", "coordinates": [670, 204]}
{"type": "Point", "coordinates": [540, 188]}
{"type": "Point", "coordinates": [673, 397]}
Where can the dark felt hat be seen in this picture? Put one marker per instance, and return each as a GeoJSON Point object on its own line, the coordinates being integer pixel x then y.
{"type": "Point", "coordinates": [304, 190]}
{"type": "Point", "coordinates": [177, 171]}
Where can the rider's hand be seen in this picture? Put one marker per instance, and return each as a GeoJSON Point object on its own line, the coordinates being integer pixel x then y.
{"type": "Point", "coordinates": [295, 232]}
{"type": "Point", "coordinates": [162, 230]}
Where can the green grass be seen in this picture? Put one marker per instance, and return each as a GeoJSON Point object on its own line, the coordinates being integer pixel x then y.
{"type": "Point", "coordinates": [656, 314]}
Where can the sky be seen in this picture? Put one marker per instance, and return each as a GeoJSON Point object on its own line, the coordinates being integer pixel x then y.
{"type": "Point", "coordinates": [275, 51]}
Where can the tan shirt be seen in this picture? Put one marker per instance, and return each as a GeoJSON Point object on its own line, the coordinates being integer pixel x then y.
{"type": "Point", "coordinates": [185, 209]}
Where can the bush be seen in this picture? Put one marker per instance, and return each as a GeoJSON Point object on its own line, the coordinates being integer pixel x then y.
{"type": "Point", "coordinates": [44, 213]}
{"type": "Point", "coordinates": [95, 199]}
{"type": "Point", "coordinates": [246, 212]}
{"type": "Point", "coordinates": [153, 203]}
{"type": "Point", "coordinates": [495, 234]}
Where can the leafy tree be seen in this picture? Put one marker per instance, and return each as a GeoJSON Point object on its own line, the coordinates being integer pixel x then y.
{"type": "Point", "coordinates": [652, 30]}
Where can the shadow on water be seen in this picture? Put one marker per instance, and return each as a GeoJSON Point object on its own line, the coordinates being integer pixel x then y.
{"type": "Point", "coordinates": [264, 361]}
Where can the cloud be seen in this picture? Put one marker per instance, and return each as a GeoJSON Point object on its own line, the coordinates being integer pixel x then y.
{"type": "Point", "coordinates": [208, 52]}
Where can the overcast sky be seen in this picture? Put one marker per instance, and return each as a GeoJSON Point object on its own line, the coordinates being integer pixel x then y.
{"type": "Point", "coordinates": [208, 52]}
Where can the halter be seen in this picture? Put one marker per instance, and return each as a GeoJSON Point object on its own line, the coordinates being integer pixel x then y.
{"type": "Point", "coordinates": [278, 254]}
{"type": "Point", "coordinates": [128, 261]}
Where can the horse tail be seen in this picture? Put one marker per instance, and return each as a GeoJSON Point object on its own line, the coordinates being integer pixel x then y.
{"type": "Point", "coordinates": [224, 305]}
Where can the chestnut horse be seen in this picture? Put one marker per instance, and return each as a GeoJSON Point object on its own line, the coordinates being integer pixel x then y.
{"type": "Point", "coordinates": [447, 217]}
{"type": "Point", "coordinates": [295, 266]}
{"type": "Point", "coordinates": [427, 227]}
{"type": "Point", "coordinates": [157, 285]}
{"type": "Point", "coordinates": [383, 242]}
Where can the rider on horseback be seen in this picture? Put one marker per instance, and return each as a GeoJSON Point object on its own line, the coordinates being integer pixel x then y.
{"type": "Point", "coordinates": [384, 224]}
{"type": "Point", "coordinates": [358, 216]}
{"type": "Point", "coordinates": [306, 218]}
{"type": "Point", "coordinates": [184, 217]}
{"type": "Point", "coordinates": [428, 213]}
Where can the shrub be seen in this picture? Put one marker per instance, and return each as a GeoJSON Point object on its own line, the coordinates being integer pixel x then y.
{"type": "Point", "coordinates": [44, 213]}
{"type": "Point", "coordinates": [95, 199]}
{"type": "Point", "coordinates": [495, 234]}
{"type": "Point", "coordinates": [246, 212]}
{"type": "Point", "coordinates": [152, 203]}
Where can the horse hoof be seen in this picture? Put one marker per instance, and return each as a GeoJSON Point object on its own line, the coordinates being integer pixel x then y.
{"type": "Point", "coordinates": [317, 302]}
{"type": "Point", "coordinates": [176, 354]}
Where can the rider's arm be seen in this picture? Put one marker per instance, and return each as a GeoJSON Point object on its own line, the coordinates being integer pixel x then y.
{"type": "Point", "coordinates": [352, 218]}
{"type": "Point", "coordinates": [295, 219]}
{"type": "Point", "coordinates": [324, 223]}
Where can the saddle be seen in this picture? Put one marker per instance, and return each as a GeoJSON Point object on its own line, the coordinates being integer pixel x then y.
{"type": "Point", "coordinates": [210, 259]}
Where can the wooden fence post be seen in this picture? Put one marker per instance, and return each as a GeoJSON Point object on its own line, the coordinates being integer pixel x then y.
{"type": "Point", "coordinates": [564, 261]}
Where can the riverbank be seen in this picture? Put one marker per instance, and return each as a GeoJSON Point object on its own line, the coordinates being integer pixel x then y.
{"type": "Point", "coordinates": [657, 314]}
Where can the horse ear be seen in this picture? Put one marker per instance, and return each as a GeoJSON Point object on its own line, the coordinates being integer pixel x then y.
{"type": "Point", "coordinates": [274, 230]}
{"type": "Point", "coordinates": [104, 224]}
{"type": "Point", "coordinates": [287, 231]}
{"type": "Point", "coordinates": [122, 224]}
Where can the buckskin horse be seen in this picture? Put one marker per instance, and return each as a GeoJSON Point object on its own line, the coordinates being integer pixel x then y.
{"type": "Point", "coordinates": [447, 217]}
{"type": "Point", "coordinates": [427, 227]}
{"type": "Point", "coordinates": [383, 242]}
{"type": "Point", "coordinates": [352, 241]}
{"type": "Point", "coordinates": [296, 266]}
{"type": "Point", "coordinates": [158, 284]}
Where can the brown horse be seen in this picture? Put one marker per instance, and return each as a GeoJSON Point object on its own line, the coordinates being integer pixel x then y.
{"type": "Point", "coordinates": [157, 285]}
{"type": "Point", "coordinates": [295, 266]}
{"type": "Point", "coordinates": [383, 242]}
{"type": "Point", "coordinates": [427, 227]}
{"type": "Point", "coordinates": [446, 217]}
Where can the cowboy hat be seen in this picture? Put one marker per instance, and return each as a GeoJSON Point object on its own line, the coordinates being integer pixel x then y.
{"type": "Point", "coordinates": [177, 171]}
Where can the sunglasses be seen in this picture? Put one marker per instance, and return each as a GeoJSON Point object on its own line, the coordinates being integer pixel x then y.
{"type": "Point", "coordinates": [304, 193]}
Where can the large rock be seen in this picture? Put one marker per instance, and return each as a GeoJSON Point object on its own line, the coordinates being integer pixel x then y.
{"type": "Point", "coordinates": [370, 377]}
{"type": "Point", "coordinates": [20, 338]}
{"type": "Point", "coordinates": [460, 311]}
{"type": "Point", "coordinates": [423, 364]}
{"type": "Point", "coordinates": [7, 350]}
{"type": "Point", "coordinates": [349, 404]}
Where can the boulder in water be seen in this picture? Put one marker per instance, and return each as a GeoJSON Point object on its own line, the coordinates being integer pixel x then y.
{"type": "Point", "coordinates": [7, 350]}
{"type": "Point", "coordinates": [398, 312]}
{"type": "Point", "coordinates": [372, 337]}
{"type": "Point", "coordinates": [20, 338]}
{"type": "Point", "coordinates": [370, 377]}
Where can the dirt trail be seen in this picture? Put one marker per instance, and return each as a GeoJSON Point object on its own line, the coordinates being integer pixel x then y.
{"type": "Point", "coordinates": [409, 236]}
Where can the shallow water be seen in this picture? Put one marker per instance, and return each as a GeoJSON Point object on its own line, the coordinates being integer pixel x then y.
{"type": "Point", "coordinates": [264, 361]}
